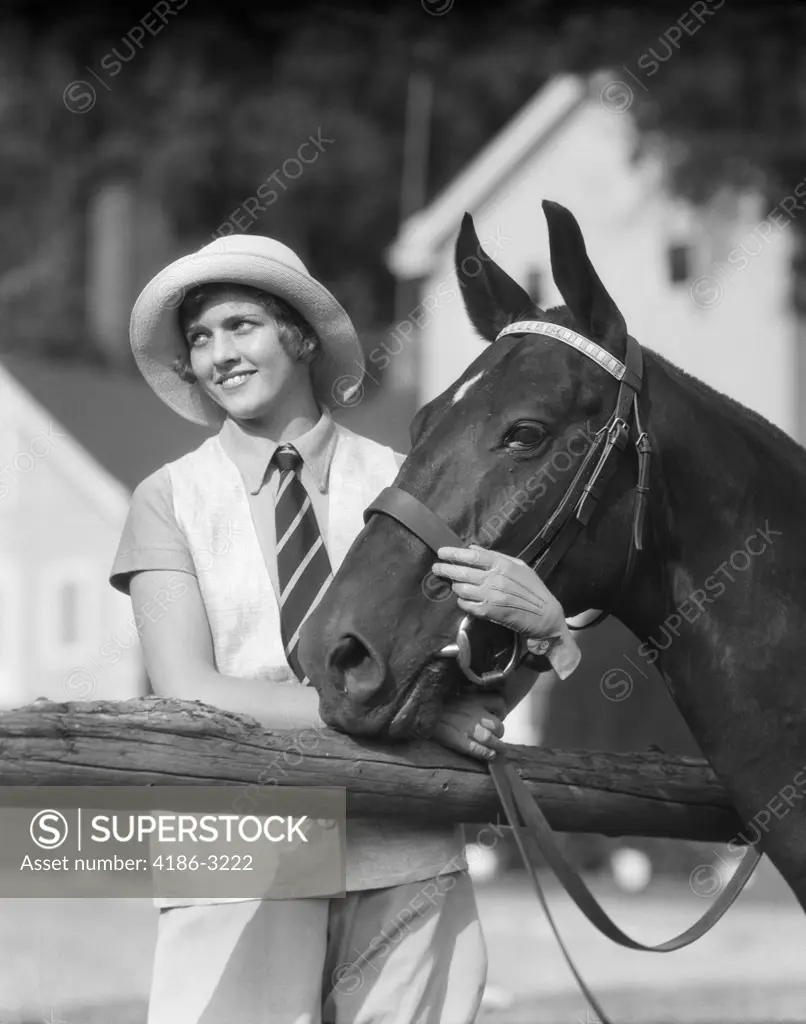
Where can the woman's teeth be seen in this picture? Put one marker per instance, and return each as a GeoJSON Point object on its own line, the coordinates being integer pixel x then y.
{"type": "Point", "coordinates": [236, 381]}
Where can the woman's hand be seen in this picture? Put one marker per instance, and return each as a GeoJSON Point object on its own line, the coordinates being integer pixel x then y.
{"type": "Point", "coordinates": [502, 589]}
{"type": "Point", "coordinates": [472, 724]}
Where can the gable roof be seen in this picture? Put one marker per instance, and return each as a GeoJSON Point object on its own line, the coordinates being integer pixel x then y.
{"type": "Point", "coordinates": [423, 234]}
{"type": "Point", "coordinates": [116, 418]}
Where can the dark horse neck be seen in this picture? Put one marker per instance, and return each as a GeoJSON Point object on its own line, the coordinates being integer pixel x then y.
{"type": "Point", "coordinates": [720, 586]}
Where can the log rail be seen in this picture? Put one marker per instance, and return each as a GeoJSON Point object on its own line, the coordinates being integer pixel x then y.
{"type": "Point", "coordinates": [153, 741]}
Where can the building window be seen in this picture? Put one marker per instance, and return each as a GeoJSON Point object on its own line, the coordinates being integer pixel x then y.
{"type": "Point", "coordinates": [67, 610]}
{"type": "Point", "coordinates": [70, 620]}
{"type": "Point", "coordinates": [679, 259]}
{"type": "Point", "coordinates": [534, 285]}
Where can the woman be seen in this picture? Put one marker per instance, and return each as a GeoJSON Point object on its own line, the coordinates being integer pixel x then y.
{"type": "Point", "coordinates": [240, 336]}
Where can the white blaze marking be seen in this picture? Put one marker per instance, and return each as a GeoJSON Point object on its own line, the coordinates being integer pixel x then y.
{"type": "Point", "coordinates": [463, 389]}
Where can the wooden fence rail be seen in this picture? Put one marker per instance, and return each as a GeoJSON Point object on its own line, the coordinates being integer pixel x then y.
{"type": "Point", "coordinates": [152, 742]}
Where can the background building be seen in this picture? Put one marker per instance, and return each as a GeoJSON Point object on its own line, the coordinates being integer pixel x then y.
{"type": "Point", "coordinates": [76, 441]}
{"type": "Point", "coordinates": [688, 279]}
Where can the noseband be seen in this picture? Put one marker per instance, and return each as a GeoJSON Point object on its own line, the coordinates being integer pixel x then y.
{"type": "Point", "coordinates": [574, 510]}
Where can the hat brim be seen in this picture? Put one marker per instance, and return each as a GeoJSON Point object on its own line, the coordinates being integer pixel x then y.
{"type": "Point", "coordinates": [157, 341]}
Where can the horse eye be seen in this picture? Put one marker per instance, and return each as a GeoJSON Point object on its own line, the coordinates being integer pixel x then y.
{"type": "Point", "coordinates": [526, 435]}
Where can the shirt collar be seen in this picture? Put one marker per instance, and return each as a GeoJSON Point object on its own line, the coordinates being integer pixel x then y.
{"type": "Point", "coordinates": [253, 453]}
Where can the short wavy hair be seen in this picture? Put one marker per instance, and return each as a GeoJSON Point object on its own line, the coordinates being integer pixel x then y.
{"type": "Point", "coordinates": [297, 337]}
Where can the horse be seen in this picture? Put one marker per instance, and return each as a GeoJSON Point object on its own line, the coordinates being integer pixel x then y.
{"type": "Point", "coordinates": [715, 589]}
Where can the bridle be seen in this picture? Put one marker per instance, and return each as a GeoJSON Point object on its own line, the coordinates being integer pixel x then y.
{"type": "Point", "coordinates": [574, 510]}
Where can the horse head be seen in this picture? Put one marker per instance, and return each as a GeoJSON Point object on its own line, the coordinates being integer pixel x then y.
{"type": "Point", "coordinates": [493, 457]}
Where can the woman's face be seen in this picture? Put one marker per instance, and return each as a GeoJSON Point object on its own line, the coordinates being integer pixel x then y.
{"type": "Point", "coordinates": [237, 357]}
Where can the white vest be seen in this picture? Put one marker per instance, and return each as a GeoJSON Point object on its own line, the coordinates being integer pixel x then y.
{"type": "Point", "coordinates": [212, 509]}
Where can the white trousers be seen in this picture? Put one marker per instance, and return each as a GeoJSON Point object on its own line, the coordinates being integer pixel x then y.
{"type": "Point", "coordinates": [410, 954]}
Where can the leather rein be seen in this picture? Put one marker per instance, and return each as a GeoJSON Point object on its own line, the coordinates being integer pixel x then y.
{"type": "Point", "coordinates": [544, 552]}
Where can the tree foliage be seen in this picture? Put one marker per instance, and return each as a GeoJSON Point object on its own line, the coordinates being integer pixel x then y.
{"type": "Point", "coordinates": [205, 111]}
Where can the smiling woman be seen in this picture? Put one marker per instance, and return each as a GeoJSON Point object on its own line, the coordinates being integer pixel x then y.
{"type": "Point", "coordinates": [240, 336]}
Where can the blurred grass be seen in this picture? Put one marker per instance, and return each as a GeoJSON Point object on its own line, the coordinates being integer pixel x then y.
{"type": "Point", "coordinates": [635, 1006]}
{"type": "Point", "coordinates": [89, 961]}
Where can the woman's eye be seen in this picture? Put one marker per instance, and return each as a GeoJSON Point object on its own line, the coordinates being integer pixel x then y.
{"type": "Point", "coordinates": [243, 325]}
{"type": "Point", "coordinates": [526, 435]}
{"type": "Point", "coordinates": [194, 340]}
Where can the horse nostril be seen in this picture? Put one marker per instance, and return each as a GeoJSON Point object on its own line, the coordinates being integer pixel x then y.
{"type": "Point", "coordinates": [360, 672]}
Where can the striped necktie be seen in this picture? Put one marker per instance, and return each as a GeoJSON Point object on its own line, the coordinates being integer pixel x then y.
{"type": "Point", "coordinates": [303, 566]}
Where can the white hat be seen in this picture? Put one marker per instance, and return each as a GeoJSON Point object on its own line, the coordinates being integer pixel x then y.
{"type": "Point", "coordinates": [258, 262]}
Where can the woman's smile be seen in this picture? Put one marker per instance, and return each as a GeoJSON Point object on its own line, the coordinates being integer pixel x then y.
{"type": "Point", "coordinates": [235, 380]}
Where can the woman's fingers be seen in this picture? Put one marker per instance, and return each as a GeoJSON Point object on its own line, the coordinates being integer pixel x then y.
{"type": "Point", "coordinates": [496, 744]}
{"type": "Point", "coordinates": [482, 734]}
{"type": "Point", "coordinates": [468, 556]}
{"type": "Point", "coordinates": [501, 589]}
{"type": "Point", "coordinates": [459, 573]}
{"type": "Point", "coordinates": [458, 740]}
{"type": "Point", "coordinates": [479, 585]}
{"type": "Point", "coordinates": [472, 735]}
{"type": "Point", "coordinates": [479, 749]}
{"type": "Point", "coordinates": [493, 613]}
{"type": "Point", "coordinates": [468, 591]}
{"type": "Point", "coordinates": [493, 725]}
{"type": "Point", "coordinates": [487, 737]}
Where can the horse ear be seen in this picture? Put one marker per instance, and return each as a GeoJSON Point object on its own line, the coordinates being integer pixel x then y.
{"type": "Point", "coordinates": [492, 299]}
{"type": "Point", "coordinates": [584, 294]}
